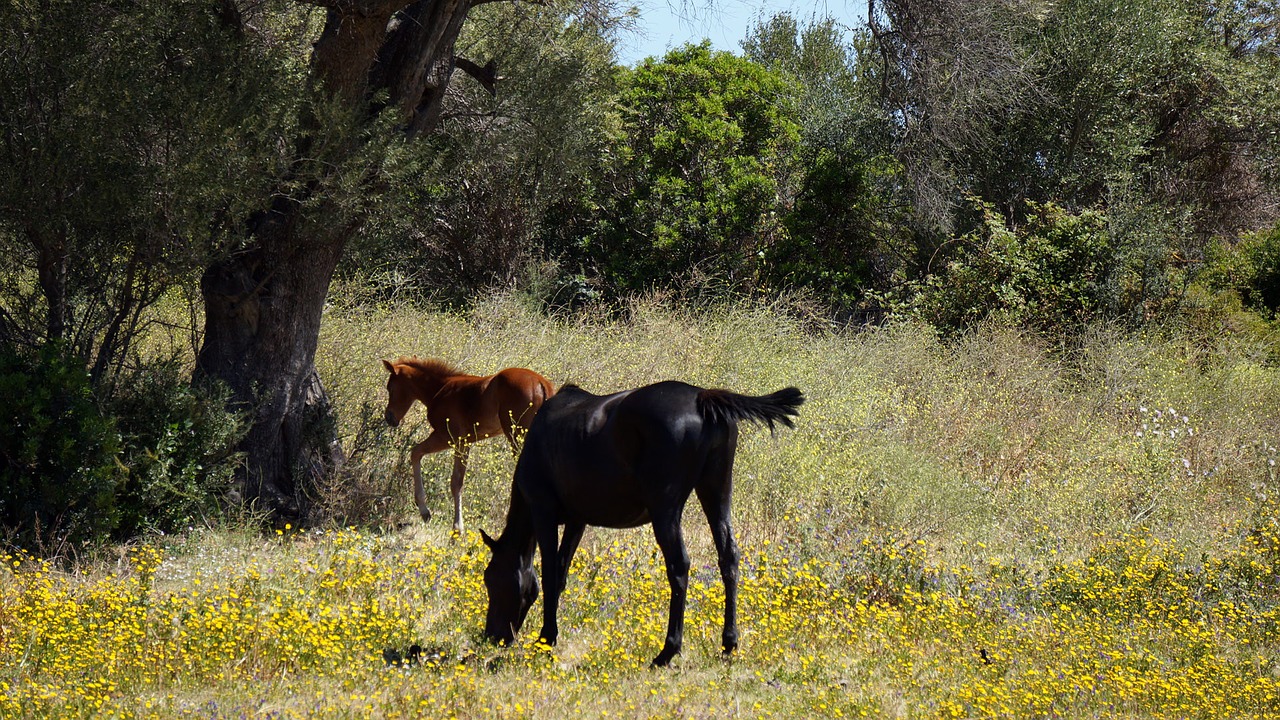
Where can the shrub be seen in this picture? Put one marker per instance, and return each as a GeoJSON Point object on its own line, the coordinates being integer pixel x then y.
{"type": "Point", "coordinates": [177, 446]}
{"type": "Point", "coordinates": [58, 468]}
{"type": "Point", "coordinates": [697, 171]}
{"type": "Point", "coordinates": [829, 245]}
{"type": "Point", "coordinates": [1249, 266]}
{"type": "Point", "coordinates": [1051, 274]}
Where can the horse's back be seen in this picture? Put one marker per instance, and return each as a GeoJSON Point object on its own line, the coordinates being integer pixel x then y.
{"type": "Point", "coordinates": [518, 391]}
{"type": "Point", "coordinates": [662, 417]}
{"type": "Point", "coordinates": [576, 421]}
{"type": "Point", "coordinates": [521, 377]}
{"type": "Point", "coordinates": [606, 459]}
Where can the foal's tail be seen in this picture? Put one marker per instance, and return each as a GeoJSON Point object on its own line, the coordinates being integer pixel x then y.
{"type": "Point", "coordinates": [722, 406]}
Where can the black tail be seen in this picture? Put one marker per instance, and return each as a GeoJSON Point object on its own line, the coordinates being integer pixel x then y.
{"type": "Point", "coordinates": [722, 406]}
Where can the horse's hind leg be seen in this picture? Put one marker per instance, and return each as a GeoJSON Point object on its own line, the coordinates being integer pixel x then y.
{"type": "Point", "coordinates": [513, 422]}
{"type": "Point", "coordinates": [666, 530]}
{"type": "Point", "coordinates": [455, 483]}
{"type": "Point", "coordinates": [435, 442]}
{"type": "Point", "coordinates": [715, 493]}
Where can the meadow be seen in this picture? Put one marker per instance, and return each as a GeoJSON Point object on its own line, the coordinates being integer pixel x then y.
{"type": "Point", "coordinates": [982, 527]}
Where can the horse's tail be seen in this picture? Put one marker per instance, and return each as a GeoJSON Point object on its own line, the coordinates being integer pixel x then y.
{"type": "Point", "coordinates": [722, 406]}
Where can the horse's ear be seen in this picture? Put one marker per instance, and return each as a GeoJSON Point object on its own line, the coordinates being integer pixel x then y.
{"type": "Point", "coordinates": [493, 544]}
{"type": "Point", "coordinates": [390, 368]}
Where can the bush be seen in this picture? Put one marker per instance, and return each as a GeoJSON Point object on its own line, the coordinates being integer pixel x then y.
{"type": "Point", "coordinates": [830, 246]}
{"type": "Point", "coordinates": [75, 472]}
{"type": "Point", "coordinates": [178, 446]}
{"type": "Point", "coordinates": [697, 171]}
{"type": "Point", "coordinates": [1249, 266]}
{"type": "Point", "coordinates": [1051, 274]}
{"type": "Point", "coordinates": [58, 456]}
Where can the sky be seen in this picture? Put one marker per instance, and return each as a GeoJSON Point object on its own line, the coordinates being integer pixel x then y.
{"type": "Point", "coordinates": [665, 24]}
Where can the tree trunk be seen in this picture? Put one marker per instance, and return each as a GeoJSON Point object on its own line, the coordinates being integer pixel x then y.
{"type": "Point", "coordinates": [262, 324]}
{"type": "Point", "coordinates": [263, 304]}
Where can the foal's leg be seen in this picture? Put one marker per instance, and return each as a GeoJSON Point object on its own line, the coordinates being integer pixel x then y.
{"type": "Point", "coordinates": [435, 442]}
{"type": "Point", "coordinates": [511, 421]}
{"type": "Point", "coordinates": [460, 452]}
{"type": "Point", "coordinates": [715, 504]}
{"type": "Point", "coordinates": [666, 529]}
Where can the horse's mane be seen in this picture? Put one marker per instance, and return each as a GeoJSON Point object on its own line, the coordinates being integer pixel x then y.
{"type": "Point", "coordinates": [431, 366]}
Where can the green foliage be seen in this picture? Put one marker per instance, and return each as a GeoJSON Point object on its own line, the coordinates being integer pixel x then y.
{"type": "Point", "coordinates": [58, 470]}
{"type": "Point", "coordinates": [466, 209]}
{"type": "Point", "coordinates": [1163, 112]}
{"type": "Point", "coordinates": [1163, 102]}
{"type": "Point", "coordinates": [844, 215]}
{"type": "Point", "coordinates": [697, 172]}
{"type": "Point", "coordinates": [1051, 274]}
{"type": "Point", "coordinates": [137, 137]}
{"type": "Point", "coordinates": [158, 457]}
{"type": "Point", "coordinates": [830, 243]}
{"type": "Point", "coordinates": [1249, 267]}
{"type": "Point", "coordinates": [177, 444]}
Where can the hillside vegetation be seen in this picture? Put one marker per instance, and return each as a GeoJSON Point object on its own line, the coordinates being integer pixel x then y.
{"type": "Point", "coordinates": [988, 526]}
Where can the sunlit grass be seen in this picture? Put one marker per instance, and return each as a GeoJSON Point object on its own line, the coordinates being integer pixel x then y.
{"type": "Point", "coordinates": [301, 626]}
{"type": "Point", "coordinates": [975, 529]}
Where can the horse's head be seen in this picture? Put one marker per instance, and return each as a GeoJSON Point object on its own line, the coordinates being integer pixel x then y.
{"type": "Point", "coordinates": [399, 393]}
{"type": "Point", "coordinates": [512, 586]}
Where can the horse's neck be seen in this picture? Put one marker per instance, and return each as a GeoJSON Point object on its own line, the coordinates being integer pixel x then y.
{"type": "Point", "coordinates": [519, 528]}
{"type": "Point", "coordinates": [428, 383]}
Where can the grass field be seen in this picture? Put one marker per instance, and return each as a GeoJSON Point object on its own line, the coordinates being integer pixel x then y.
{"type": "Point", "coordinates": [978, 528]}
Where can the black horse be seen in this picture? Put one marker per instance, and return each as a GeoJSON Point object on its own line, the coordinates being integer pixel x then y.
{"type": "Point", "coordinates": [621, 461]}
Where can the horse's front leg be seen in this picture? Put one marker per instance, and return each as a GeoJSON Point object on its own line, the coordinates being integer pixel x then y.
{"type": "Point", "coordinates": [460, 453]}
{"type": "Point", "coordinates": [552, 582]}
{"type": "Point", "coordinates": [435, 442]}
{"type": "Point", "coordinates": [569, 546]}
{"type": "Point", "coordinates": [666, 530]}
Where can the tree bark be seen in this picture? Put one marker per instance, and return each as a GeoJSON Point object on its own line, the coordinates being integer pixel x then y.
{"type": "Point", "coordinates": [263, 304]}
{"type": "Point", "coordinates": [262, 325]}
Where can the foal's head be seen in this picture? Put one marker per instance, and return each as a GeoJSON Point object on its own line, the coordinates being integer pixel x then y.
{"type": "Point", "coordinates": [512, 586]}
{"type": "Point", "coordinates": [400, 393]}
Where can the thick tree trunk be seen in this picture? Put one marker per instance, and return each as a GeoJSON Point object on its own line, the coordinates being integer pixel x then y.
{"type": "Point", "coordinates": [263, 304]}
{"type": "Point", "coordinates": [262, 324]}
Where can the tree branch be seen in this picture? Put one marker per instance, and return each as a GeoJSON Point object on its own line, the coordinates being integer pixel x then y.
{"type": "Point", "coordinates": [362, 8]}
{"type": "Point", "coordinates": [487, 76]}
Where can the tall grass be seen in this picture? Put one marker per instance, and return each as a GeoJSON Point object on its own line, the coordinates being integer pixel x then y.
{"type": "Point", "coordinates": [995, 438]}
{"type": "Point", "coordinates": [982, 527]}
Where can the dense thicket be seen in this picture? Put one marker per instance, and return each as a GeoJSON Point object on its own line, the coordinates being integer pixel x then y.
{"type": "Point", "coordinates": [1046, 165]}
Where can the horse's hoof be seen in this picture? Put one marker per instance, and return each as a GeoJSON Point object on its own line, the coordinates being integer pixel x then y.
{"type": "Point", "coordinates": [425, 513]}
{"type": "Point", "coordinates": [663, 659]}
